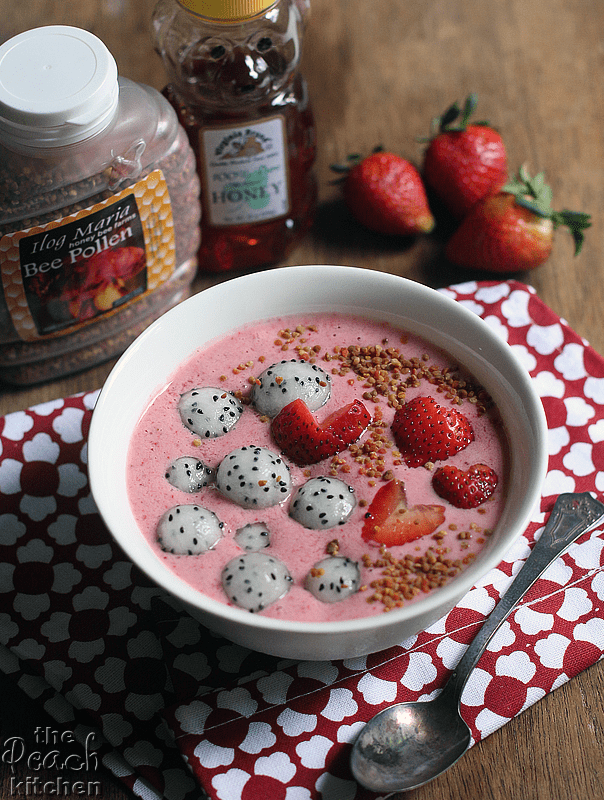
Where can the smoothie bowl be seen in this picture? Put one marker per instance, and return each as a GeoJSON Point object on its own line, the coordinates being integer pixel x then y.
{"type": "Point", "coordinates": [317, 461]}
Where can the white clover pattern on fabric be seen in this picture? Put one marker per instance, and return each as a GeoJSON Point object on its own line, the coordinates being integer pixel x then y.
{"type": "Point", "coordinates": [184, 713]}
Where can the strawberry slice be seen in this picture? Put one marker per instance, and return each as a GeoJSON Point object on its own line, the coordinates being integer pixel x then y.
{"type": "Point", "coordinates": [426, 431]}
{"type": "Point", "coordinates": [392, 522]}
{"type": "Point", "coordinates": [465, 489]}
{"type": "Point", "coordinates": [306, 441]}
{"type": "Point", "coordinates": [348, 423]}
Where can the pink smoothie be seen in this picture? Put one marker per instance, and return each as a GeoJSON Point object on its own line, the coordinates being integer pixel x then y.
{"type": "Point", "coordinates": [233, 363]}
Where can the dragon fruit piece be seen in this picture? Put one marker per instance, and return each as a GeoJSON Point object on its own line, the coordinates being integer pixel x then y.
{"type": "Point", "coordinates": [287, 381]}
{"type": "Point", "coordinates": [188, 530]}
{"type": "Point", "coordinates": [253, 536]}
{"type": "Point", "coordinates": [254, 477]}
{"type": "Point", "coordinates": [209, 412]}
{"type": "Point", "coordinates": [189, 474]}
{"type": "Point", "coordinates": [334, 578]}
{"type": "Point", "coordinates": [255, 580]}
{"type": "Point", "coordinates": [322, 503]}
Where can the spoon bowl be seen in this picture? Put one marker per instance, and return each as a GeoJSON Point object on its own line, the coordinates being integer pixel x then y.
{"type": "Point", "coordinates": [409, 744]}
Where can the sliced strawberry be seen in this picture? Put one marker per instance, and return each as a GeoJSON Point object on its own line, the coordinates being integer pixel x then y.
{"type": "Point", "coordinates": [305, 441]}
{"type": "Point", "coordinates": [391, 522]}
{"type": "Point", "coordinates": [348, 423]}
{"type": "Point", "coordinates": [465, 489]}
{"type": "Point", "coordinates": [426, 431]}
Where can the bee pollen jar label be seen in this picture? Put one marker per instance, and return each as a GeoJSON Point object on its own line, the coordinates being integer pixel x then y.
{"type": "Point", "coordinates": [246, 172]}
{"type": "Point", "coordinates": [62, 275]}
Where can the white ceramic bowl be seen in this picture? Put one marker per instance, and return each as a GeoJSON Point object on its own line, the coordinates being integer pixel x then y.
{"type": "Point", "coordinates": [156, 353]}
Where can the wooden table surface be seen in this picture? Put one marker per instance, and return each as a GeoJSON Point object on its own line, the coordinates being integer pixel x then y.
{"type": "Point", "coordinates": [378, 72]}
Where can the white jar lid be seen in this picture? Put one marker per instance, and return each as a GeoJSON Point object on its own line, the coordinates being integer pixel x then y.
{"type": "Point", "coordinates": [58, 85]}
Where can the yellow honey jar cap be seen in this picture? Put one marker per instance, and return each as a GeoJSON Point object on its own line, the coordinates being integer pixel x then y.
{"type": "Point", "coordinates": [226, 10]}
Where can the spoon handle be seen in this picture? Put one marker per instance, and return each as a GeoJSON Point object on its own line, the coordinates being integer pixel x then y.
{"type": "Point", "coordinates": [572, 515]}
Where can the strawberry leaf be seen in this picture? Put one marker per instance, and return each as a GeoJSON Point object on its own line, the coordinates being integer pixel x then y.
{"type": "Point", "coordinates": [531, 193]}
{"type": "Point", "coordinates": [576, 222]}
{"type": "Point", "coordinates": [535, 195]}
{"type": "Point", "coordinates": [454, 120]}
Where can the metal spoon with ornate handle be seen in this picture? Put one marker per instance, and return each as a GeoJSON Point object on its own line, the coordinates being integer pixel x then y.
{"type": "Point", "coordinates": [409, 744]}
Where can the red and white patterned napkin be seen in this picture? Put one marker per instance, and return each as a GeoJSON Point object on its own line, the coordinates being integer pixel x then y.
{"type": "Point", "coordinates": [177, 711]}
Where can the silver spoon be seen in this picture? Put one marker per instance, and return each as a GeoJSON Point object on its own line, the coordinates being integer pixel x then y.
{"type": "Point", "coordinates": [409, 744]}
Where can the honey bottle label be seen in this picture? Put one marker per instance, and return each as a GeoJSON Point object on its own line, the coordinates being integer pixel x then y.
{"type": "Point", "coordinates": [246, 172]}
{"type": "Point", "coordinates": [64, 274]}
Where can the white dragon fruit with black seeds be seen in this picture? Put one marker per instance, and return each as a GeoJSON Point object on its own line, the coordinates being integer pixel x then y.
{"type": "Point", "coordinates": [188, 530]}
{"type": "Point", "coordinates": [254, 477]}
{"type": "Point", "coordinates": [255, 580]}
{"type": "Point", "coordinates": [209, 412]}
{"type": "Point", "coordinates": [286, 381]}
{"type": "Point", "coordinates": [322, 503]}
{"type": "Point", "coordinates": [253, 536]}
{"type": "Point", "coordinates": [333, 579]}
{"type": "Point", "coordinates": [189, 474]}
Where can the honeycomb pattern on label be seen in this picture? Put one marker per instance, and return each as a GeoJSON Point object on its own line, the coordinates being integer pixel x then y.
{"type": "Point", "coordinates": [155, 211]}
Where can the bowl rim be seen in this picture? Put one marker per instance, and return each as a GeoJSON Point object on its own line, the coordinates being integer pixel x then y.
{"type": "Point", "coordinates": [162, 576]}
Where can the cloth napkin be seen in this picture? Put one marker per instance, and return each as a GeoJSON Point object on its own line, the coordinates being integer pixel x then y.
{"type": "Point", "coordinates": [177, 712]}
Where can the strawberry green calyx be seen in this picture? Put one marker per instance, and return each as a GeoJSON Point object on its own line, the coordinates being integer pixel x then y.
{"type": "Point", "coordinates": [455, 119]}
{"type": "Point", "coordinates": [534, 194]}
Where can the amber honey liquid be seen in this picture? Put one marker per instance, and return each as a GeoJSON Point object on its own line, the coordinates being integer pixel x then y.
{"type": "Point", "coordinates": [237, 90]}
{"type": "Point", "coordinates": [245, 246]}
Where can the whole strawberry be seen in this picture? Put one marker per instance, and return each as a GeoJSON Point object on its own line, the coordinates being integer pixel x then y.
{"type": "Point", "coordinates": [513, 230]}
{"type": "Point", "coordinates": [464, 162]}
{"type": "Point", "coordinates": [385, 193]}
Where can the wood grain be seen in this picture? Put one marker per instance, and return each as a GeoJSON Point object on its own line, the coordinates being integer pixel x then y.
{"type": "Point", "coordinates": [378, 72]}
